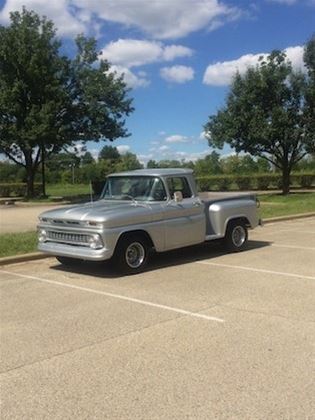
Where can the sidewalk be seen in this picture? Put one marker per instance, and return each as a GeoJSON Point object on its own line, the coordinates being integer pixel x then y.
{"type": "Point", "coordinates": [21, 218]}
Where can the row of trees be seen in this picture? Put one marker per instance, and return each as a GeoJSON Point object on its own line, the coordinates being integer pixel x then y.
{"type": "Point", "coordinates": [72, 168]}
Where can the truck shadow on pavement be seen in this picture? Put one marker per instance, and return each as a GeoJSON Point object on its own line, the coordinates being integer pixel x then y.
{"type": "Point", "coordinates": [177, 257]}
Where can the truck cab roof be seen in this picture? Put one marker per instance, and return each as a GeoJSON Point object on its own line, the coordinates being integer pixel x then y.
{"type": "Point", "coordinates": [155, 172]}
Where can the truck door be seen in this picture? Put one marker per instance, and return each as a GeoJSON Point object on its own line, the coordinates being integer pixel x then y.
{"type": "Point", "coordinates": [184, 220]}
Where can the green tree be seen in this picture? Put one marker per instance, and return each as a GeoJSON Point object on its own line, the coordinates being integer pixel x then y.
{"type": "Point", "coordinates": [48, 101]}
{"type": "Point", "coordinates": [263, 166]}
{"type": "Point", "coordinates": [239, 165]}
{"type": "Point", "coordinates": [128, 162]}
{"type": "Point", "coordinates": [87, 158]}
{"type": "Point", "coordinates": [309, 59]}
{"type": "Point", "coordinates": [152, 164]}
{"type": "Point", "coordinates": [9, 172]}
{"type": "Point", "coordinates": [62, 160]}
{"type": "Point", "coordinates": [169, 164]}
{"type": "Point", "coordinates": [265, 115]}
{"type": "Point", "coordinates": [210, 165]}
{"type": "Point", "coordinates": [109, 152]}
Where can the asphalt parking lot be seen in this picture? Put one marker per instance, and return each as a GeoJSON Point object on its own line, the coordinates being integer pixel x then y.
{"type": "Point", "coordinates": [201, 335]}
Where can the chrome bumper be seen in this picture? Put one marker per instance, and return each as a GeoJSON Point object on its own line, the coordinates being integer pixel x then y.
{"type": "Point", "coordinates": [81, 253]}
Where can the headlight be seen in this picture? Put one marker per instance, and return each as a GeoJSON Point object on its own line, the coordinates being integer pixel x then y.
{"type": "Point", "coordinates": [91, 223]}
{"type": "Point", "coordinates": [42, 235]}
{"type": "Point", "coordinates": [95, 242]}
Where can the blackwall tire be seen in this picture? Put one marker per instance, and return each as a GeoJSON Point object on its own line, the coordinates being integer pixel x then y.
{"type": "Point", "coordinates": [236, 236]}
{"type": "Point", "coordinates": [132, 254]}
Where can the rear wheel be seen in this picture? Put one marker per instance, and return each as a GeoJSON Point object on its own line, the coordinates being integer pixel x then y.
{"type": "Point", "coordinates": [132, 254]}
{"type": "Point", "coordinates": [236, 235]}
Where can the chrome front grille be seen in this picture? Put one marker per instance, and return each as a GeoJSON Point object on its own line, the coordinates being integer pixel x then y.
{"type": "Point", "coordinates": [68, 238]}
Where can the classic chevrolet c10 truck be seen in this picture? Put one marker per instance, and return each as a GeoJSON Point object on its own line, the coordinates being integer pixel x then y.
{"type": "Point", "coordinates": [144, 211]}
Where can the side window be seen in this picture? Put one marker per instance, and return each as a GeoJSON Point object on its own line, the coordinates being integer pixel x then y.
{"type": "Point", "coordinates": [158, 192]}
{"type": "Point", "coordinates": [179, 184]}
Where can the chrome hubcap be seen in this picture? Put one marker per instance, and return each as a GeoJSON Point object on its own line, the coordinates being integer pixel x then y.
{"type": "Point", "coordinates": [238, 236]}
{"type": "Point", "coordinates": [135, 255]}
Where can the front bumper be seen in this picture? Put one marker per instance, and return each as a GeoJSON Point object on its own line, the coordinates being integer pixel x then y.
{"type": "Point", "coordinates": [81, 253]}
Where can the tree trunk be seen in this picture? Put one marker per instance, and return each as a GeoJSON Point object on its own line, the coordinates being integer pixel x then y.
{"type": "Point", "coordinates": [30, 182]}
{"type": "Point", "coordinates": [43, 173]}
{"type": "Point", "coordinates": [285, 180]}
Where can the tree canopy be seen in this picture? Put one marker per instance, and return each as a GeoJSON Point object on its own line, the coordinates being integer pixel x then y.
{"type": "Point", "coordinates": [269, 113]}
{"type": "Point", "coordinates": [49, 101]}
{"type": "Point", "coordinates": [109, 152]}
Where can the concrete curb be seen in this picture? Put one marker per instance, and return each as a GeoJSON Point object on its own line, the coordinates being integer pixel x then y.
{"type": "Point", "coordinates": [39, 256]}
{"type": "Point", "coordinates": [23, 258]}
{"type": "Point", "coordinates": [289, 217]}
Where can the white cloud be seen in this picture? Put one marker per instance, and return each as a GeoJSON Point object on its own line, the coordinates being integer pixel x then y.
{"type": "Point", "coordinates": [175, 51]}
{"type": "Point", "coordinates": [295, 55]}
{"type": "Point", "coordinates": [67, 22]}
{"type": "Point", "coordinates": [177, 74]}
{"type": "Point", "coordinates": [161, 19]}
{"type": "Point", "coordinates": [123, 149]}
{"type": "Point", "coordinates": [94, 152]}
{"type": "Point", "coordinates": [186, 156]}
{"type": "Point", "coordinates": [204, 136]}
{"type": "Point", "coordinates": [131, 79]}
{"type": "Point", "coordinates": [191, 156]}
{"type": "Point", "coordinates": [221, 73]}
{"type": "Point", "coordinates": [164, 148]}
{"type": "Point", "coordinates": [132, 52]}
{"type": "Point", "coordinates": [136, 52]}
{"type": "Point", "coordinates": [176, 138]}
{"type": "Point", "coordinates": [143, 158]}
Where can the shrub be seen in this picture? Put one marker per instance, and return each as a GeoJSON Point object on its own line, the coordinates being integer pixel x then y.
{"type": "Point", "coordinates": [224, 182]}
{"type": "Point", "coordinates": [275, 180]}
{"type": "Point", "coordinates": [306, 180]}
{"type": "Point", "coordinates": [263, 181]}
{"type": "Point", "coordinates": [244, 182]}
{"type": "Point", "coordinates": [205, 183]}
{"type": "Point", "coordinates": [18, 189]}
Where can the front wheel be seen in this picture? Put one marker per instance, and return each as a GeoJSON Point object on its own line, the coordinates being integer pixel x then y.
{"type": "Point", "coordinates": [132, 254]}
{"type": "Point", "coordinates": [236, 236]}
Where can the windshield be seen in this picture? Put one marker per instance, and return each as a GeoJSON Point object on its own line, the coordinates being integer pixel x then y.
{"type": "Point", "coordinates": [139, 188]}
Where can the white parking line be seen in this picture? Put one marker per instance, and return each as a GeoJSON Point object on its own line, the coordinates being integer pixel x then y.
{"type": "Point", "coordinates": [121, 297]}
{"type": "Point", "coordinates": [293, 247]}
{"type": "Point", "coordinates": [256, 270]}
{"type": "Point", "coordinates": [312, 232]}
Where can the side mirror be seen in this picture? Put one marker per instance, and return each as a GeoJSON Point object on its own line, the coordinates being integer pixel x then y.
{"type": "Point", "coordinates": [178, 196]}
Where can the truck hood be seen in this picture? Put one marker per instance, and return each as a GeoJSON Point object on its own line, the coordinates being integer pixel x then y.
{"type": "Point", "coordinates": [109, 213]}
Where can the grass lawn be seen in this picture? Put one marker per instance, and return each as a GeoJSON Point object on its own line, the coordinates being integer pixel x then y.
{"type": "Point", "coordinates": [274, 205]}
{"type": "Point", "coordinates": [70, 192]}
{"type": "Point", "coordinates": [67, 190]}
{"type": "Point", "coordinates": [17, 243]}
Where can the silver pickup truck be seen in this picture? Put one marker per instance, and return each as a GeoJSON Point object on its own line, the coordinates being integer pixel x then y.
{"type": "Point", "coordinates": [143, 211]}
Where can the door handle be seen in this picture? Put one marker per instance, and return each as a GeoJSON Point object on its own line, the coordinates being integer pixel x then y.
{"type": "Point", "coordinates": [196, 203]}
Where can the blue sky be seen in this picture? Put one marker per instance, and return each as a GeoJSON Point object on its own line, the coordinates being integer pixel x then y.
{"type": "Point", "coordinates": [178, 57]}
